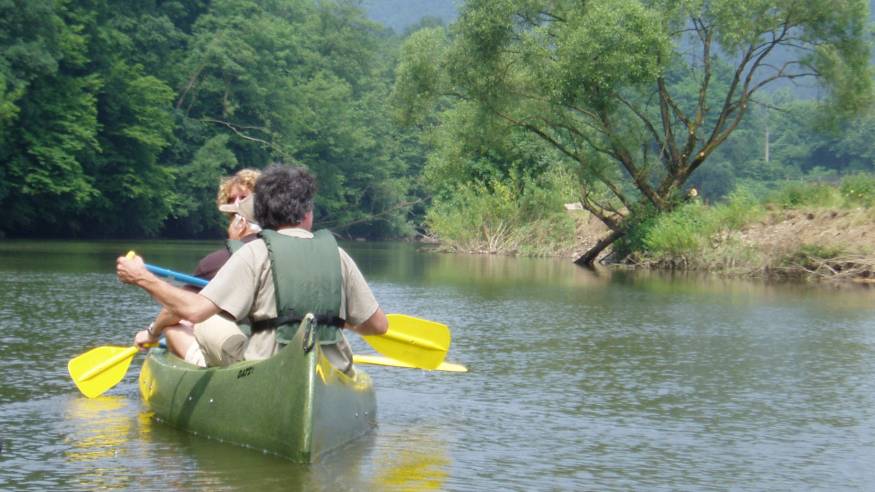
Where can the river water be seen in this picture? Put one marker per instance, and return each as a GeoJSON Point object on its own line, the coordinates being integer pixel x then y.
{"type": "Point", "coordinates": [578, 381]}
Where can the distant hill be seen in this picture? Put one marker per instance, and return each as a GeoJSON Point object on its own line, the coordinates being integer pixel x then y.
{"type": "Point", "coordinates": [400, 14]}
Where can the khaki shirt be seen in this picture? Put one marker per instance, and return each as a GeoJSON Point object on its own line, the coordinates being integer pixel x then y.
{"type": "Point", "coordinates": [244, 287]}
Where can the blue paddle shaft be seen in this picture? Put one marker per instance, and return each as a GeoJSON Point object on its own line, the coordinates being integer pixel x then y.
{"type": "Point", "coordinates": [181, 277]}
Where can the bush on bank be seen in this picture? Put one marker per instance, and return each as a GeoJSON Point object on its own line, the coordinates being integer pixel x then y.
{"type": "Point", "coordinates": [682, 237]}
{"type": "Point", "coordinates": [519, 215]}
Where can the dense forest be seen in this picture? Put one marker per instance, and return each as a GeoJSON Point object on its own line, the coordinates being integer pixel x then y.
{"type": "Point", "coordinates": [118, 118]}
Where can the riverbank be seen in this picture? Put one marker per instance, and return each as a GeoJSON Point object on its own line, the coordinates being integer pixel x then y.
{"type": "Point", "coordinates": [808, 243]}
{"type": "Point", "coordinates": [741, 238]}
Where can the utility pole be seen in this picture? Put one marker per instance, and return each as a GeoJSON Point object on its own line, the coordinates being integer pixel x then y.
{"type": "Point", "coordinates": [766, 153]}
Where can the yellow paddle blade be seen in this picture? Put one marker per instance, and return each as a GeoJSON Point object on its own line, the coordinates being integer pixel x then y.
{"type": "Point", "coordinates": [418, 342]}
{"type": "Point", "coordinates": [385, 361]}
{"type": "Point", "coordinates": [100, 369]}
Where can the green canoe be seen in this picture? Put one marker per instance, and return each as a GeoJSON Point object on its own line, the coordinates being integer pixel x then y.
{"type": "Point", "coordinates": [294, 404]}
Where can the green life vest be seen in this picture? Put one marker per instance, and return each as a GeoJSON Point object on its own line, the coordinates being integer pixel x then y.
{"type": "Point", "coordinates": [307, 279]}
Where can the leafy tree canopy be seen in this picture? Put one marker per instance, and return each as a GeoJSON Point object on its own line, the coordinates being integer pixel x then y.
{"type": "Point", "coordinates": [636, 96]}
{"type": "Point", "coordinates": [126, 114]}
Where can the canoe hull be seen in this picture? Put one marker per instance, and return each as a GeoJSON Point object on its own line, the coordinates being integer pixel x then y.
{"type": "Point", "coordinates": [294, 404]}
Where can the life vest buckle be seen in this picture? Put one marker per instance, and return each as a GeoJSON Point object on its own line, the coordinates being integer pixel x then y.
{"type": "Point", "coordinates": [310, 324]}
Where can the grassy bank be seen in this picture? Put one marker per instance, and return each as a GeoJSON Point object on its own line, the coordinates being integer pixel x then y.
{"type": "Point", "coordinates": [803, 230]}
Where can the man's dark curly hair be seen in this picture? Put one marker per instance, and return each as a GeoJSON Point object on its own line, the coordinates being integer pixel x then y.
{"type": "Point", "coordinates": [283, 195]}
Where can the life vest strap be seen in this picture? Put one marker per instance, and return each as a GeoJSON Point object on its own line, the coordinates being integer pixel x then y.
{"type": "Point", "coordinates": [293, 318]}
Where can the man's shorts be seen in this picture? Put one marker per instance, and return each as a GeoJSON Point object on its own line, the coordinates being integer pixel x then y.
{"type": "Point", "coordinates": [219, 343]}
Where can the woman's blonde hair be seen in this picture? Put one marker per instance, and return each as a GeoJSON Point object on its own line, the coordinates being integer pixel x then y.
{"type": "Point", "coordinates": [244, 178]}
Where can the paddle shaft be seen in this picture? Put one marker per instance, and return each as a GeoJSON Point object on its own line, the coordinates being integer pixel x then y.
{"type": "Point", "coordinates": [186, 279]}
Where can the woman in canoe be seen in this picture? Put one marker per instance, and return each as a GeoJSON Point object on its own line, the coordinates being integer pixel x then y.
{"type": "Point", "coordinates": [275, 281]}
{"type": "Point", "coordinates": [242, 226]}
{"type": "Point", "coordinates": [234, 198]}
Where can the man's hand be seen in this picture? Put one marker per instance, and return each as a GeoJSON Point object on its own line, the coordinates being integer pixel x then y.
{"type": "Point", "coordinates": [131, 270]}
{"type": "Point", "coordinates": [180, 303]}
{"type": "Point", "coordinates": [142, 338]}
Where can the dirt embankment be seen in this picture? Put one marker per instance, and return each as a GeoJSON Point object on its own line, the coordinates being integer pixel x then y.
{"type": "Point", "coordinates": [831, 244]}
{"type": "Point", "coordinates": [782, 232]}
{"type": "Point", "coordinates": [827, 244]}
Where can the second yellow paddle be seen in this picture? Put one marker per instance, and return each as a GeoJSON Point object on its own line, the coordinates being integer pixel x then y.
{"type": "Point", "coordinates": [385, 361]}
{"type": "Point", "coordinates": [418, 342]}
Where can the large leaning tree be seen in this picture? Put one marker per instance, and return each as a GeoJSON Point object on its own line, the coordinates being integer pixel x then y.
{"type": "Point", "coordinates": [636, 94]}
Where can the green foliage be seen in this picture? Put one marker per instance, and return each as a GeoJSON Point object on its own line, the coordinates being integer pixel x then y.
{"type": "Point", "coordinates": [126, 114]}
{"type": "Point", "coordinates": [637, 97]}
{"type": "Point", "coordinates": [638, 225]}
{"type": "Point", "coordinates": [476, 214]}
{"type": "Point", "coordinates": [858, 190]}
{"type": "Point", "coordinates": [854, 190]}
{"type": "Point", "coordinates": [796, 194]}
{"type": "Point", "coordinates": [608, 45]}
{"type": "Point", "coordinates": [419, 76]}
{"type": "Point", "coordinates": [681, 233]}
{"type": "Point", "coordinates": [685, 233]}
{"type": "Point", "coordinates": [198, 184]}
{"type": "Point", "coordinates": [739, 209]}
{"type": "Point", "coordinates": [516, 215]}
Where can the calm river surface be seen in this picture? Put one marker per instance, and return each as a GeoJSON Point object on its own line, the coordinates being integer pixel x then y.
{"type": "Point", "coordinates": [578, 381]}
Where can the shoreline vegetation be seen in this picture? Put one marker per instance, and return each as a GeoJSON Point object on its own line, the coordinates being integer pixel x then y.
{"type": "Point", "coordinates": [119, 120]}
{"type": "Point", "coordinates": [805, 231]}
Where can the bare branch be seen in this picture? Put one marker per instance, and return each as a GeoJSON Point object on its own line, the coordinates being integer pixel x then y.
{"type": "Point", "coordinates": [644, 119]}
{"type": "Point", "coordinates": [626, 160]}
{"type": "Point", "coordinates": [372, 216]}
{"type": "Point", "coordinates": [701, 106]}
{"type": "Point", "coordinates": [236, 129]}
{"type": "Point", "coordinates": [667, 126]}
{"type": "Point", "coordinates": [191, 83]}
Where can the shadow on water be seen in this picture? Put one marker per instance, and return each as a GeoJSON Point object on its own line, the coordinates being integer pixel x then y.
{"type": "Point", "coordinates": [110, 442]}
{"type": "Point", "coordinates": [358, 465]}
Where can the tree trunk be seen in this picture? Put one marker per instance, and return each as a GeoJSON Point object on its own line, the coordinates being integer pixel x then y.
{"type": "Point", "coordinates": [588, 258]}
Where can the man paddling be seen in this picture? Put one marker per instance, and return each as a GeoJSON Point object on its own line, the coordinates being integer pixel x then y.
{"type": "Point", "coordinates": [275, 281]}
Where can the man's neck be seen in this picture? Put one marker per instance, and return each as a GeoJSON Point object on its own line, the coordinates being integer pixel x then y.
{"type": "Point", "coordinates": [293, 226]}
